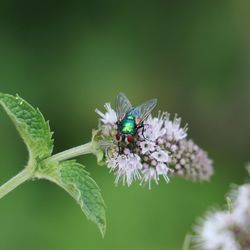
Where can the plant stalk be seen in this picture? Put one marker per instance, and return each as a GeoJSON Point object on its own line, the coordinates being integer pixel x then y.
{"type": "Point", "coordinates": [17, 180]}
{"type": "Point", "coordinates": [73, 152]}
{"type": "Point", "coordinates": [26, 173]}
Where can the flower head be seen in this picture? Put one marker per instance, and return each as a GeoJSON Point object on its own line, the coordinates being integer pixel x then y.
{"type": "Point", "coordinates": [153, 152]}
{"type": "Point", "coordinates": [216, 232]}
{"type": "Point", "coordinates": [227, 230]}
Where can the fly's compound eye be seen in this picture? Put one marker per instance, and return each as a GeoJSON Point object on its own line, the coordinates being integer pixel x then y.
{"type": "Point", "coordinates": [130, 138]}
{"type": "Point", "coordinates": [118, 137]}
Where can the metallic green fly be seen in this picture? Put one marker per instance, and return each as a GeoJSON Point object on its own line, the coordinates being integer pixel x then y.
{"type": "Point", "coordinates": [130, 119]}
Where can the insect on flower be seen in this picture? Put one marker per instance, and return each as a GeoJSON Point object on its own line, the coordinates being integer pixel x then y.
{"type": "Point", "coordinates": [130, 120]}
{"type": "Point", "coordinates": [137, 146]}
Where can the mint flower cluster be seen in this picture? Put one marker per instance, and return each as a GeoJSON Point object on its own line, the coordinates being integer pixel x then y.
{"type": "Point", "coordinates": [160, 151]}
{"type": "Point", "coordinates": [227, 230]}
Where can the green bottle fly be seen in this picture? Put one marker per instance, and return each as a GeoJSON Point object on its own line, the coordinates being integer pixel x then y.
{"type": "Point", "coordinates": [130, 119]}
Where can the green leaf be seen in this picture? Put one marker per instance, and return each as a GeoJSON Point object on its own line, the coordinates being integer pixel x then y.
{"type": "Point", "coordinates": [30, 124]}
{"type": "Point", "coordinates": [84, 189]}
{"type": "Point", "coordinates": [72, 177]}
{"type": "Point", "coordinates": [69, 175]}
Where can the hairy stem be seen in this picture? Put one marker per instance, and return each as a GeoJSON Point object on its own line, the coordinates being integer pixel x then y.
{"type": "Point", "coordinates": [23, 176]}
{"type": "Point", "coordinates": [73, 152]}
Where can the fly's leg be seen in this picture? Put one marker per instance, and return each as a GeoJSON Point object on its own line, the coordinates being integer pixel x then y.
{"type": "Point", "coordinates": [142, 126]}
{"type": "Point", "coordinates": [132, 147]}
{"type": "Point", "coordinates": [119, 148]}
{"type": "Point", "coordinates": [121, 145]}
{"type": "Point", "coordinates": [143, 130]}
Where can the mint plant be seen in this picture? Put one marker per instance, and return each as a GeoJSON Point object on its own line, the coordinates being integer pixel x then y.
{"type": "Point", "coordinates": [68, 174]}
{"type": "Point", "coordinates": [134, 145]}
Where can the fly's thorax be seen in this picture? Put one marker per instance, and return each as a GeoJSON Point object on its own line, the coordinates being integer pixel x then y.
{"type": "Point", "coordinates": [127, 125]}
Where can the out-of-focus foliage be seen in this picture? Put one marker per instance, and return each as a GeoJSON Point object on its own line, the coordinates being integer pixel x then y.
{"type": "Point", "coordinates": [68, 58]}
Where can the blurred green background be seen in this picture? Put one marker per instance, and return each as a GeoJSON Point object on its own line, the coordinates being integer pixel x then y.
{"type": "Point", "coordinates": [69, 58]}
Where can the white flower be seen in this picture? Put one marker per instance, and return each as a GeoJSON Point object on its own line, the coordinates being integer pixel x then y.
{"type": "Point", "coordinates": [109, 117]}
{"type": "Point", "coordinates": [161, 156]}
{"type": "Point", "coordinates": [126, 168]}
{"type": "Point", "coordinates": [163, 170]}
{"type": "Point", "coordinates": [147, 146]}
{"type": "Point", "coordinates": [227, 230]}
{"type": "Point", "coordinates": [149, 174]}
{"type": "Point", "coordinates": [153, 173]}
{"type": "Point", "coordinates": [216, 232]}
{"type": "Point", "coordinates": [173, 129]}
{"type": "Point", "coordinates": [154, 127]}
{"type": "Point", "coordinates": [148, 157]}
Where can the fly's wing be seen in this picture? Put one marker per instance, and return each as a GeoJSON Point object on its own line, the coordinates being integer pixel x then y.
{"type": "Point", "coordinates": [123, 105]}
{"type": "Point", "coordinates": [143, 111]}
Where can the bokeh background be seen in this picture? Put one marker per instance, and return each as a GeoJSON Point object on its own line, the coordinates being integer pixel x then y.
{"type": "Point", "coordinates": [68, 58]}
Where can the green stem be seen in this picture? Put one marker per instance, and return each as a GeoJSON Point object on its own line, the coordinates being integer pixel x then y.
{"type": "Point", "coordinates": [27, 173]}
{"type": "Point", "coordinates": [187, 242]}
{"type": "Point", "coordinates": [23, 176]}
{"type": "Point", "coordinates": [73, 152]}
